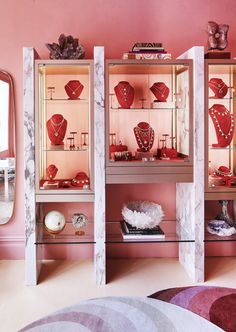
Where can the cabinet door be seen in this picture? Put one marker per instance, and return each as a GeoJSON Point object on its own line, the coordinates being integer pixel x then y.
{"type": "Point", "coordinates": [220, 135]}
{"type": "Point", "coordinates": [149, 118]}
{"type": "Point", "coordinates": [64, 131]}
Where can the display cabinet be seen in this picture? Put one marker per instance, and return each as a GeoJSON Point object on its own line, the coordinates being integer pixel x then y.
{"type": "Point", "coordinates": [64, 135]}
{"type": "Point", "coordinates": [220, 162]}
{"type": "Point", "coordinates": [220, 83]}
{"type": "Point", "coordinates": [60, 154]}
{"type": "Point", "coordinates": [149, 121]}
{"type": "Point", "coordinates": [153, 138]}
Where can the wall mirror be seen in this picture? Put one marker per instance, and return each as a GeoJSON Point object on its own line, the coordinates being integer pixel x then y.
{"type": "Point", "coordinates": [7, 147]}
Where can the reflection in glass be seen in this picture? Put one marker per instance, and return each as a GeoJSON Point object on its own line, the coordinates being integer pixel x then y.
{"type": "Point", "coordinates": [7, 147]}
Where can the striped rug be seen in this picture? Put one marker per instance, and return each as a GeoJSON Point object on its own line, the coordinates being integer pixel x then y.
{"type": "Point", "coordinates": [122, 314]}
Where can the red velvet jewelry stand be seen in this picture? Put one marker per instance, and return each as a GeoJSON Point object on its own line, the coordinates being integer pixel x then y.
{"type": "Point", "coordinates": [73, 89]}
{"type": "Point", "coordinates": [56, 128]}
{"type": "Point", "coordinates": [218, 86]}
{"type": "Point", "coordinates": [160, 91]}
{"type": "Point", "coordinates": [144, 135]}
{"type": "Point", "coordinates": [224, 125]}
{"type": "Point", "coordinates": [51, 172]}
{"type": "Point", "coordinates": [124, 94]}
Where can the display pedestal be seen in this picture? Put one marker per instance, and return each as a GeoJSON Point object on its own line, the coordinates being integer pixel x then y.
{"type": "Point", "coordinates": [140, 155]}
{"type": "Point", "coordinates": [217, 55]}
{"type": "Point", "coordinates": [51, 185]}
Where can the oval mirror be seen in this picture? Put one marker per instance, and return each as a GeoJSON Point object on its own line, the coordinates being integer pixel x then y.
{"type": "Point", "coordinates": [7, 147]}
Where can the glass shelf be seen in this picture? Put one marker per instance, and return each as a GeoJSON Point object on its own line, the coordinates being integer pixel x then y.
{"type": "Point", "coordinates": [114, 235]}
{"type": "Point", "coordinates": [225, 148]}
{"type": "Point", "coordinates": [67, 236]}
{"type": "Point", "coordinates": [145, 108]}
{"type": "Point", "coordinates": [80, 149]}
{"type": "Point", "coordinates": [225, 98]}
{"type": "Point", "coordinates": [216, 238]}
{"type": "Point", "coordinates": [66, 100]}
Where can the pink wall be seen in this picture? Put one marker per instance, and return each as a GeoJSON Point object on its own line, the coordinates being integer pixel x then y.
{"type": "Point", "coordinates": [116, 24]}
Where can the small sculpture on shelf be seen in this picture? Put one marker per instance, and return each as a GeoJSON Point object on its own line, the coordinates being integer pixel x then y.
{"type": "Point", "coordinates": [79, 220]}
{"type": "Point", "coordinates": [54, 222]}
{"type": "Point", "coordinates": [223, 224]}
{"type": "Point", "coordinates": [124, 93]}
{"type": "Point", "coordinates": [142, 214]}
{"type": "Point", "coordinates": [67, 48]}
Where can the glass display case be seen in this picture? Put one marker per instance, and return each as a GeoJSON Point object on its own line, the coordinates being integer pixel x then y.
{"type": "Point", "coordinates": [64, 132]}
{"type": "Point", "coordinates": [220, 133]}
{"type": "Point", "coordinates": [149, 117]}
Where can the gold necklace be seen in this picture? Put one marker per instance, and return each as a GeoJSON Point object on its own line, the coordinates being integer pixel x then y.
{"type": "Point", "coordinates": [213, 113]}
{"type": "Point", "coordinates": [220, 86]}
{"type": "Point", "coordinates": [74, 90]}
{"type": "Point", "coordinates": [162, 92]}
{"type": "Point", "coordinates": [53, 125]}
{"type": "Point", "coordinates": [124, 91]}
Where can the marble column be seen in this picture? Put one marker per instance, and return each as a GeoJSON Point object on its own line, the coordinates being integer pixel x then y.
{"type": "Point", "coordinates": [31, 266]}
{"type": "Point", "coordinates": [190, 196]}
{"type": "Point", "coordinates": [99, 166]}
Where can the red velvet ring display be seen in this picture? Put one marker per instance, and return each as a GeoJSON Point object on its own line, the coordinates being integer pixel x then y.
{"type": "Point", "coordinates": [73, 89]}
{"type": "Point", "coordinates": [160, 91]}
{"type": "Point", "coordinates": [80, 180]}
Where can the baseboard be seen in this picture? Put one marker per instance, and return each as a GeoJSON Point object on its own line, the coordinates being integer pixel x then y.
{"type": "Point", "coordinates": [12, 247]}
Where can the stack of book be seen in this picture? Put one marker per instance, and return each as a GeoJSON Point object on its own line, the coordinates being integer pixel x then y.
{"type": "Point", "coordinates": [147, 51]}
{"type": "Point", "coordinates": [132, 233]}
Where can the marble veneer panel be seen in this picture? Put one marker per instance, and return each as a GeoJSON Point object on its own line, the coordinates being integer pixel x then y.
{"type": "Point", "coordinates": [29, 167]}
{"type": "Point", "coordinates": [99, 165]}
{"type": "Point", "coordinates": [190, 196]}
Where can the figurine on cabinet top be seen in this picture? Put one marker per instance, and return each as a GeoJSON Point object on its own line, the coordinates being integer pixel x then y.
{"type": "Point", "coordinates": [67, 48]}
{"type": "Point", "coordinates": [217, 36]}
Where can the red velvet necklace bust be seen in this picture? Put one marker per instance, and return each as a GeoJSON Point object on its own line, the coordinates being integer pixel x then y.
{"type": "Point", "coordinates": [224, 125]}
{"type": "Point", "coordinates": [73, 89]}
{"type": "Point", "coordinates": [125, 94]}
{"type": "Point", "coordinates": [56, 128]}
{"type": "Point", "coordinates": [51, 172]}
{"type": "Point", "coordinates": [160, 91]}
{"type": "Point", "coordinates": [219, 88]}
{"type": "Point", "coordinates": [144, 135]}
